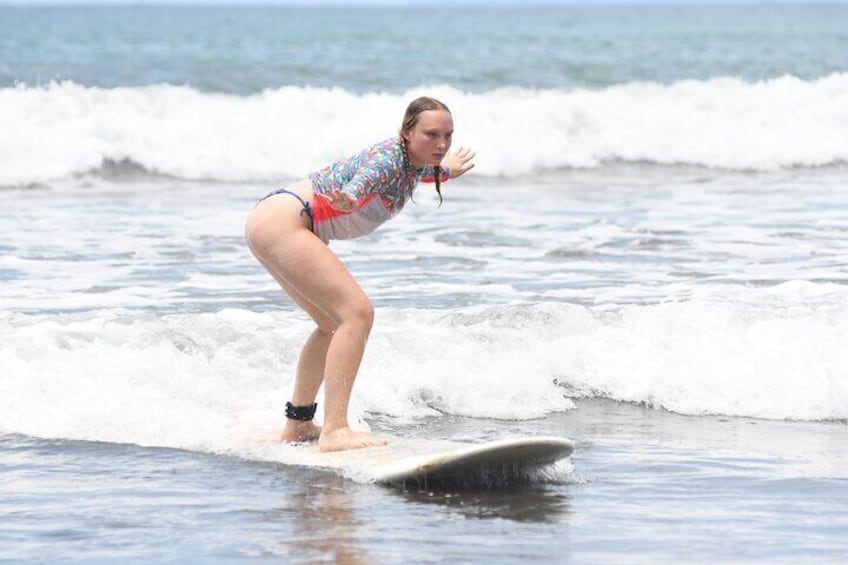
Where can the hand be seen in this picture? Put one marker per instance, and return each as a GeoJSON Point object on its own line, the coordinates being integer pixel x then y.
{"type": "Point", "coordinates": [339, 200]}
{"type": "Point", "coordinates": [460, 162]}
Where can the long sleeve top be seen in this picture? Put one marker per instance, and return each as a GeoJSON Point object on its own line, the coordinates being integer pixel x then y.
{"type": "Point", "coordinates": [376, 179]}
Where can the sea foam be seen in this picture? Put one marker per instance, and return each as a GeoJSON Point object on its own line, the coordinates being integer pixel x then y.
{"type": "Point", "coordinates": [209, 381]}
{"type": "Point", "coordinates": [64, 129]}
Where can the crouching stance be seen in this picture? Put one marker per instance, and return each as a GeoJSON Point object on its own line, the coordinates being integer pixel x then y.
{"type": "Point", "coordinates": [288, 232]}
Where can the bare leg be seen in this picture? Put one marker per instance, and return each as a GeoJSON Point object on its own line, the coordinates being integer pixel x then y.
{"type": "Point", "coordinates": [343, 358]}
{"type": "Point", "coordinates": [310, 367]}
{"type": "Point", "coordinates": [310, 373]}
{"type": "Point", "coordinates": [317, 281]}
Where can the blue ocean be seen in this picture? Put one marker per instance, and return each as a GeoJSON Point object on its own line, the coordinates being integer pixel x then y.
{"type": "Point", "coordinates": [650, 258]}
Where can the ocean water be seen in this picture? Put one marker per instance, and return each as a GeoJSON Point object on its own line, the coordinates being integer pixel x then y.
{"type": "Point", "coordinates": [651, 258]}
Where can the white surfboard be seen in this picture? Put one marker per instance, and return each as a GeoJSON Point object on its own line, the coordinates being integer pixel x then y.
{"type": "Point", "coordinates": [431, 463]}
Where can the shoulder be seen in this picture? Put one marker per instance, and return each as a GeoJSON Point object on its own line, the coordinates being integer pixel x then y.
{"type": "Point", "coordinates": [389, 146]}
{"type": "Point", "coordinates": [383, 154]}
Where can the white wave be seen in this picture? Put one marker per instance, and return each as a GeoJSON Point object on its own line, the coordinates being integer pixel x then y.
{"type": "Point", "coordinates": [64, 129]}
{"type": "Point", "coordinates": [218, 381]}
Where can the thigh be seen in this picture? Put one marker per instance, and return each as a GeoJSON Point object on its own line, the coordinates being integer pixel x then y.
{"type": "Point", "coordinates": [322, 319]}
{"type": "Point", "coordinates": [317, 276]}
{"type": "Point", "coordinates": [303, 265]}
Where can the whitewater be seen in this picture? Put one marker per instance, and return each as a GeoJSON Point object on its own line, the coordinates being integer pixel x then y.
{"type": "Point", "coordinates": [190, 380]}
{"type": "Point", "coordinates": [687, 289]}
{"type": "Point", "coordinates": [65, 129]}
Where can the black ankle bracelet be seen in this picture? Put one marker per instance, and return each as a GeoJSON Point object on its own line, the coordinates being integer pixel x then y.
{"type": "Point", "coordinates": [302, 413]}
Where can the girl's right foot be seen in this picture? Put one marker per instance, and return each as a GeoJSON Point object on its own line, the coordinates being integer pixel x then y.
{"type": "Point", "coordinates": [341, 439]}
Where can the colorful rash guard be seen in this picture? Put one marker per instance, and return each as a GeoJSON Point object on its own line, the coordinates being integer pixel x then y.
{"type": "Point", "coordinates": [375, 177]}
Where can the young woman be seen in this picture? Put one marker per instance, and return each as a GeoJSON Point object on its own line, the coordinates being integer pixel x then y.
{"type": "Point", "coordinates": [288, 232]}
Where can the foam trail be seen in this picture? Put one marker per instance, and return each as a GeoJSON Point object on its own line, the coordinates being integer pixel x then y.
{"type": "Point", "coordinates": [65, 129]}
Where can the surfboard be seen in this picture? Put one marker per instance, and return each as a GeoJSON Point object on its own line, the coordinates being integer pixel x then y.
{"type": "Point", "coordinates": [432, 463]}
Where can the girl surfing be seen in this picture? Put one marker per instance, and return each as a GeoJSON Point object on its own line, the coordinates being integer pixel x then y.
{"type": "Point", "coordinates": [289, 230]}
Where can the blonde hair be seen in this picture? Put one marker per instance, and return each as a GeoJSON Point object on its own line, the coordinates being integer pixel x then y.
{"type": "Point", "coordinates": [410, 119]}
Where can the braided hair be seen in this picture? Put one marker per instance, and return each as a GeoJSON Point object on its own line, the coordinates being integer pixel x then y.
{"type": "Point", "coordinates": [410, 119]}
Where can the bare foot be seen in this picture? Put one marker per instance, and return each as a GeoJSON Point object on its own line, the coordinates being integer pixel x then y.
{"type": "Point", "coordinates": [346, 438]}
{"type": "Point", "coordinates": [297, 431]}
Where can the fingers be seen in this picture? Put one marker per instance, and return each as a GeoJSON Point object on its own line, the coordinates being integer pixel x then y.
{"type": "Point", "coordinates": [465, 156]}
{"type": "Point", "coordinates": [460, 161]}
{"type": "Point", "coordinates": [464, 153]}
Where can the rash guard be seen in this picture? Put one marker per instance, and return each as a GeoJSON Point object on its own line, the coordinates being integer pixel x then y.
{"type": "Point", "coordinates": [376, 179]}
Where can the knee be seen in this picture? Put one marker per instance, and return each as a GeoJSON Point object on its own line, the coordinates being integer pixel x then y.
{"type": "Point", "coordinates": [361, 313]}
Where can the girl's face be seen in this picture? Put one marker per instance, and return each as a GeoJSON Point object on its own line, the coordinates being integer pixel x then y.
{"type": "Point", "coordinates": [429, 141]}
